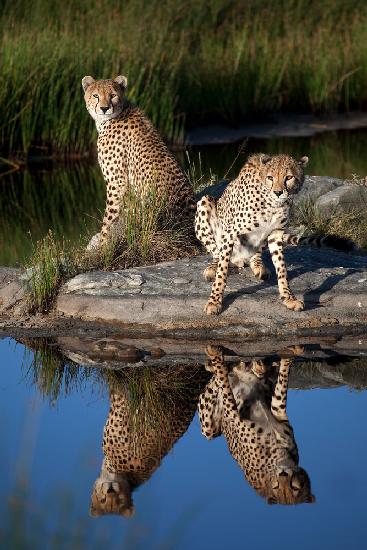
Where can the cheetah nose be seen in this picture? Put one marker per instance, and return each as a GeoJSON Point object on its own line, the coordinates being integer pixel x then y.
{"type": "Point", "coordinates": [110, 489]}
{"type": "Point", "coordinates": [104, 109]}
{"type": "Point", "coordinates": [278, 193]}
{"type": "Point", "coordinates": [283, 473]}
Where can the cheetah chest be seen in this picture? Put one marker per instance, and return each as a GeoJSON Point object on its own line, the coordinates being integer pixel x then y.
{"type": "Point", "coordinates": [249, 243]}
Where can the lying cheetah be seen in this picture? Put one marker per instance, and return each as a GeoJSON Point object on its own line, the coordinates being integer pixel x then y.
{"type": "Point", "coordinates": [131, 153]}
{"type": "Point", "coordinates": [250, 410]}
{"type": "Point", "coordinates": [134, 450]}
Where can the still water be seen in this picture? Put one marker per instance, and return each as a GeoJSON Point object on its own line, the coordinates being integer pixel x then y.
{"type": "Point", "coordinates": [188, 492]}
{"type": "Point", "coordinates": [69, 198]}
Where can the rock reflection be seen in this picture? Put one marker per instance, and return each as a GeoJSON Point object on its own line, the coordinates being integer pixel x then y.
{"type": "Point", "coordinates": [247, 404]}
{"type": "Point", "coordinates": [150, 409]}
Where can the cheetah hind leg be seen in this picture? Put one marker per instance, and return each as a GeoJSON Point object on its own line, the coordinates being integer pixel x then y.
{"type": "Point", "coordinates": [258, 268]}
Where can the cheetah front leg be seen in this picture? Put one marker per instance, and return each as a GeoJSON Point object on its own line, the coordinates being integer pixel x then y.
{"type": "Point", "coordinates": [115, 194]}
{"type": "Point", "coordinates": [275, 241]}
{"type": "Point", "coordinates": [219, 369]}
{"type": "Point", "coordinates": [215, 302]}
{"type": "Point", "coordinates": [279, 398]}
{"type": "Point", "coordinates": [206, 225]}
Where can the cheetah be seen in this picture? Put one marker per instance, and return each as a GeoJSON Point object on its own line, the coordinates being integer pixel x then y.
{"type": "Point", "coordinates": [131, 154]}
{"type": "Point", "coordinates": [134, 447]}
{"type": "Point", "coordinates": [253, 213]}
{"type": "Point", "coordinates": [249, 408]}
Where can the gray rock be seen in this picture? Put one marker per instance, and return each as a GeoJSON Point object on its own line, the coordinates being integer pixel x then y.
{"type": "Point", "coordinates": [333, 284]}
{"type": "Point", "coordinates": [316, 186]}
{"type": "Point", "coordinates": [95, 282]}
{"type": "Point", "coordinates": [12, 291]}
{"type": "Point", "coordinates": [344, 198]}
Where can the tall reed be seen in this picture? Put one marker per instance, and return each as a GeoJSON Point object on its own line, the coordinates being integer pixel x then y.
{"type": "Point", "coordinates": [190, 61]}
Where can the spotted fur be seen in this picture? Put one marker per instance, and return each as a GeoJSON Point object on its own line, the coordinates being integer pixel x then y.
{"type": "Point", "coordinates": [131, 153]}
{"type": "Point", "coordinates": [253, 212]}
{"type": "Point", "coordinates": [249, 408]}
{"type": "Point", "coordinates": [133, 450]}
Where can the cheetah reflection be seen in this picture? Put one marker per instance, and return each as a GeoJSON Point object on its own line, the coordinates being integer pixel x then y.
{"type": "Point", "coordinates": [249, 408]}
{"type": "Point", "coordinates": [150, 409]}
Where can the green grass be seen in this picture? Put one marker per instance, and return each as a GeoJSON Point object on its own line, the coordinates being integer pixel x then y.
{"type": "Point", "coordinates": [146, 234]}
{"type": "Point", "coordinates": [350, 225]}
{"type": "Point", "coordinates": [188, 62]}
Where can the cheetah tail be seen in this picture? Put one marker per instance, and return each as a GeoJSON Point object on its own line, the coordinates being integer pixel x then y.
{"type": "Point", "coordinates": [320, 241]}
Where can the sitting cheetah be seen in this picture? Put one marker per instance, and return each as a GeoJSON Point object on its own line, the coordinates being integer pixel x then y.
{"type": "Point", "coordinates": [249, 408]}
{"type": "Point", "coordinates": [131, 153]}
{"type": "Point", "coordinates": [135, 441]}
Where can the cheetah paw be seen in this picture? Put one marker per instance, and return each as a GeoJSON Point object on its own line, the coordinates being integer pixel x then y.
{"type": "Point", "coordinates": [214, 351]}
{"type": "Point", "coordinates": [262, 273]}
{"type": "Point", "coordinates": [209, 273]}
{"type": "Point", "coordinates": [94, 242]}
{"type": "Point", "coordinates": [258, 368]}
{"type": "Point", "coordinates": [293, 303]}
{"type": "Point", "coordinates": [213, 308]}
{"type": "Point", "coordinates": [297, 349]}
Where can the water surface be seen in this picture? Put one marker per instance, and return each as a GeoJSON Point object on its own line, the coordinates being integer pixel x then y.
{"type": "Point", "coordinates": [69, 198]}
{"type": "Point", "coordinates": [53, 412]}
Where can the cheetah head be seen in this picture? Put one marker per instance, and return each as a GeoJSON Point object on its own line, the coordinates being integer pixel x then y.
{"type": "Point", "coordinates": [289, 486]}
{"type": "Point", "coordinates": [111, 497]}
{"type": "Point", "coordinates": [282, 176]}
{"type": "Point", "coordinates": [104, 98]}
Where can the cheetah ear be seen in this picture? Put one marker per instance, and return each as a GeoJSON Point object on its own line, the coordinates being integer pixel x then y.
{"type": "Point", "coordinates": [311, 499]}
{"type": "Point", "coordinates": [265, 158]}
{"type": "Point", "coordinates": [303, 161]}
{"type": "Point", "coordinates": [272, 500]}
{"type": "Point", "coordinates": [87, 81]}
{"type": "Point", "coordinates": [121, 81]}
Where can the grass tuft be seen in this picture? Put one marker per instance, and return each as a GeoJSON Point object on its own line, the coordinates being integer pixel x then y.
{"type": "Point", "coordinates": [50, 265]}
{"type": "Point", "coordinates": [149, 232]}
{"type": "Point", "coordinates": [350, 225]}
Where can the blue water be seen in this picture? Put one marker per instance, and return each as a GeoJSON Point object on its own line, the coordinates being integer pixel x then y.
{"type": "Point", "coordinates": [51, 454]}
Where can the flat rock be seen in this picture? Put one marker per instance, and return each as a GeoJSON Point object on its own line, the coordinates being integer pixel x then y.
{"type": "Point", "coordinates": [333, 285]}
{"type": "Point", "coordinates": [316, 364]}
{"type": "Point", "coordinates": [12, 291]}
{"type": "Point", "coordinates": [95, 283]}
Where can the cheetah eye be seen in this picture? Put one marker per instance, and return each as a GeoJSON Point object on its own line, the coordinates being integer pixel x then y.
{"type": "Point", "coordinates": [270, 178]}
{"type": "Point", "coordinates": [95, 95]}
{"type": "Point", "coordinates": [113, 95]}
{"type": "Point", "coordinates": [289, 178]}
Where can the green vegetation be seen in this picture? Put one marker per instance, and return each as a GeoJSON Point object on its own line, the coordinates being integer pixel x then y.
{"type": "Point", "coordinates": [351, 225]}
{"type": "Point", "coordinates": [188, 62]}
{"type": "Point", "coordinates": [147, 233]}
